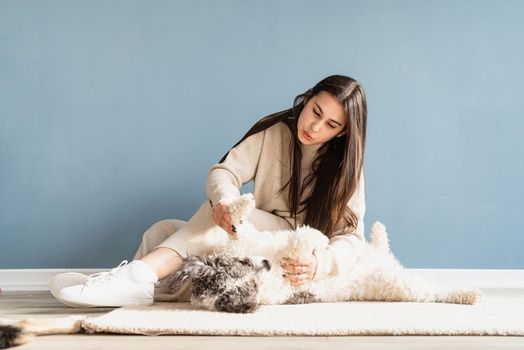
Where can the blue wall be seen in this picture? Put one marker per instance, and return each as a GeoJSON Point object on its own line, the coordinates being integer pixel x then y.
{"type": "Point", "coordinates": [111, 113]}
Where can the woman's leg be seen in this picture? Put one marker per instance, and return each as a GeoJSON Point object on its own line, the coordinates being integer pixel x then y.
{"type": "Point", "coordinates": [152, 237]}
{"type": "Point", "coordinates": [198, 236]}
{"type": "Point", "coordinates": [156, 234]}
{"type": "Point", "coordinates": [134, 283]}
{"type": "Point", "coordinates": [163, 261]}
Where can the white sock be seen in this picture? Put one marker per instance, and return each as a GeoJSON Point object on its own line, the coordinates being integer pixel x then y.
{"type": "Point", "coordinates": [142, 272]}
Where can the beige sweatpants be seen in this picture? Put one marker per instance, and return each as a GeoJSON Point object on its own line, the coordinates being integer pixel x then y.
{"type": "Point", "coordinates": [197, 236]}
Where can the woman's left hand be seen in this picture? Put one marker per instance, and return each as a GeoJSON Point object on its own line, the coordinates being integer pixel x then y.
{"type": "Point", "coordinates": [299, 272]}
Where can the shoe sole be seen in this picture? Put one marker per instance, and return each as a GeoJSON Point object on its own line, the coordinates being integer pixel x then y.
{"type": "Point", "coordinates": [120, 303]}
{"type": "Point", "coordinates": [74, 279]}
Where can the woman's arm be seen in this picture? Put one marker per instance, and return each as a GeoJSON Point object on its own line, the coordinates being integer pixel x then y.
{"type": "Point", "coordinates": [225, 179]}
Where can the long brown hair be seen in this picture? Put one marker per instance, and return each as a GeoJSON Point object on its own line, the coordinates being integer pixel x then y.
{"type": "Point", "coordinates": [336, 171]}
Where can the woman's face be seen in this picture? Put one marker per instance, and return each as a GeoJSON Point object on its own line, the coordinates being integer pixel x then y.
{"type": "Point", "coordinates": [322, 118]}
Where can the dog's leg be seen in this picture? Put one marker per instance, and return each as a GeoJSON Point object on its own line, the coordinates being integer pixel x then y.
{"type": "Point", "coordinates": [420, 289]}
{"type": "Point", "coordinates": [414, 288]}
{"type": "Point", "coordinates": [241, 208]}
{"type": "Point", "coordinates": [458, 296]}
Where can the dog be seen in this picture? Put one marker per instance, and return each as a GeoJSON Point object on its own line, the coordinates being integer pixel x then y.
{"type": "Point", "coordinates": [246, 273]}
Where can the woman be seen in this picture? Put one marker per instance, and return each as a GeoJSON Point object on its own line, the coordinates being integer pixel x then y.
{"type": "Point", "coordinates": [307, 167]}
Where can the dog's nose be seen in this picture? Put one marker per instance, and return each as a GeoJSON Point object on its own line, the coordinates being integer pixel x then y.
{"type": "Point", "coordinates": [266, 264]}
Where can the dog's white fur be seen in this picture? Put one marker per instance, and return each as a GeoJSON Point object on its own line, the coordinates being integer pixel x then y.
{"type": "Point", "coordinates": [375, 275]}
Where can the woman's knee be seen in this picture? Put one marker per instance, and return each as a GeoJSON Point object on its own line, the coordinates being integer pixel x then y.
{"type": "Point", "coordinates": [264, 220]}
{"type": "Point", "coordinates": [160, 230]}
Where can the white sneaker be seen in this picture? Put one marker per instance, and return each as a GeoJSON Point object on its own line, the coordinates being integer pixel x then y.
{"type": "Point", "coordinates": [64, 280]}
{"type": "Point", "coordinates": [126, 284]}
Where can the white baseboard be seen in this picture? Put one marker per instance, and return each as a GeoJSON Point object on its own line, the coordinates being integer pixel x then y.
{"type": "Point", "coordinates": [480, 278]}
{"type": "Point", "coordinates": [37, 279]}
{"type": "Point", "coordinates": [34, 279]}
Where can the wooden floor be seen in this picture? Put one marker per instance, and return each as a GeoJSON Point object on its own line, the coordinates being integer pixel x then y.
{"type": "Point", "coordinates": [42, 304]}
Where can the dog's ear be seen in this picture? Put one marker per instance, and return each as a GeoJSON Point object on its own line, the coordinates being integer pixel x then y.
{"type": "Point", "coordinates": [193, 267]}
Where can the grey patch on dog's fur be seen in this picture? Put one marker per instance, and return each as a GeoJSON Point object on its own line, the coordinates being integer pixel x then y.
{"type": "Point", "coordinates": [221, 282]}
{"type": "Point", "coordinates": [303, 297]}
{"type": "Point", "coordinates": [240, 299]}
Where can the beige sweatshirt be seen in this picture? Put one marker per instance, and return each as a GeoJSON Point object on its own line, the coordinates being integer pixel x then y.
{"type": "Point", "coordinates": [264, 158]}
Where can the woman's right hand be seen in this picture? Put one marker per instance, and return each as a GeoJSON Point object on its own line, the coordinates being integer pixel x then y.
{"type": "Point", "coordinates": [222, 218]}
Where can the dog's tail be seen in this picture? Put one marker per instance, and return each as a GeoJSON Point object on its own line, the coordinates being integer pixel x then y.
{"type": "Point", "coordinates": [379, 237]}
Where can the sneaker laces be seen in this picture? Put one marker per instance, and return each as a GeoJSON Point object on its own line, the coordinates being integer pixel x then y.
{"type": "Point", "coordinates": [102, 277]}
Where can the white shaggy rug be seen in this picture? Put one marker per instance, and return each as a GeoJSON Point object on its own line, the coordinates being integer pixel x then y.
{"type": "Point", "coordinates": [495, 315]}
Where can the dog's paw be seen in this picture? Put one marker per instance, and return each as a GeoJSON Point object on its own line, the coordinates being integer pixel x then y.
{"type": "Point", "coordinates": [467, 296]}
{"type": "Point", "coordinates": [241, 208]}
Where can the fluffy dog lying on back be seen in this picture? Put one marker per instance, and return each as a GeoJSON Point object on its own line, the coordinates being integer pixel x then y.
{"type": "Point", "coordinates": [246, 272]}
